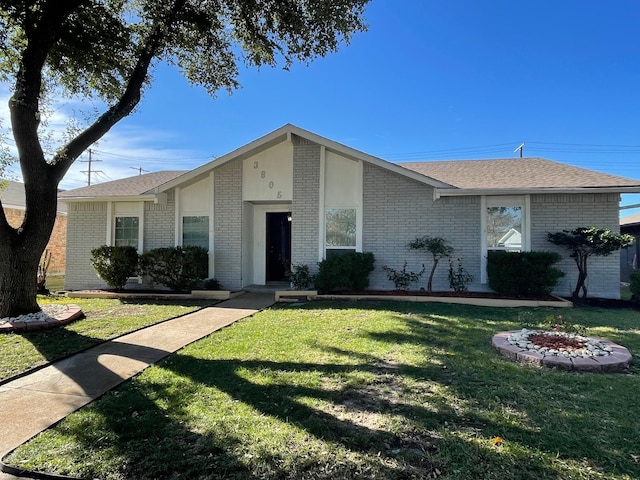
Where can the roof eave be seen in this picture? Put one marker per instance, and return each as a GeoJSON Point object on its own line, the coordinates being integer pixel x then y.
{"type": "Point", "coordinates": [110, 198]}
{"type": "Point", "coordinates": [458, 192]}
{"type": "Point", "coordinates": [284, 134]}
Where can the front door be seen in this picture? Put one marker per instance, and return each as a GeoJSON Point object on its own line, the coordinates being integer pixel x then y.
{"type": "Point", "coordinates": [278, 245]}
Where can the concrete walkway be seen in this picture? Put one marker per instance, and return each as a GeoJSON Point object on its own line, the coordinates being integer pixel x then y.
{"type": "Point", "coordinates": [31, 404]}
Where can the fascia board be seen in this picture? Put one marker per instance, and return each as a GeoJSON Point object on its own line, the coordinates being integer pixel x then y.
{"type": "Point", "coordinates": [250, 148]}
{"type": "Point", "coordinates": [284, 134]}
{"type": "Point", "coordinates": [365, 157]}
{"type": "Point", "coordinates": [444, 192]}
{"type": "Point", "coordinates": [130, 198]}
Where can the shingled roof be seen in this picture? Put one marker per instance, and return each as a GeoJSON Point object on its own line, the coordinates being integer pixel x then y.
{"type": "Point", "coordinates": [516, 173]}
{"type": "Point", "coordinates": [633, 219]}
{"type": "Point", "coordinates": [12, 195]}
{"type": "Point", "coordinates": [126, 187]}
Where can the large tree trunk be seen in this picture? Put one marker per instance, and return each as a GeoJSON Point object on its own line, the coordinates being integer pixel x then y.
{"type": "Point", "coordinates": [21, 249]}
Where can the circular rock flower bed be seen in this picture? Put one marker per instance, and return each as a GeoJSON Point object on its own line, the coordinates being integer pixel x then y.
{"type": "Point", "coordinates": [562, 350]}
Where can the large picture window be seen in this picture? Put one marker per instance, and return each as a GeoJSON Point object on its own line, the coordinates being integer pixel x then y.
{"type": "Point", "coordinates": [340, 230]}
{"type": "Point", "coordinates": [195, 231]}
{"type": "Point", "coordinates": [504, 228]}
{"type": "Point", "coordinates": [126, 231]}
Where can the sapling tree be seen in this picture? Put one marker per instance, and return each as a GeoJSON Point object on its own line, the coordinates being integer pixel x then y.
{"type": "Point", "coordinates": [438, 247]}
{"type": "Point", "coordinates": [585, 242]}
{"type": "Point", "coordinates": [105, 51]}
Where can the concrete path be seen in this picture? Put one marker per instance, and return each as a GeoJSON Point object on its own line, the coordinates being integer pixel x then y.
{"type": "Point", "coordinates": [33, 403]}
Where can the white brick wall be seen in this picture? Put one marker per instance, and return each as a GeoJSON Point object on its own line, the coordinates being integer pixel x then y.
{"type": "Point", "coordinates": [397, 210]}
{"type": "Point", "coordinates": [305, 204]}
{"type": "Point", "coordinates": [159, 225]}
{"type": "Point", "coordinates": [554, 213]}
{"type": "Point", "coordinates": [86, 230]}
{"type": "Point", "coordinates": [228, 224]}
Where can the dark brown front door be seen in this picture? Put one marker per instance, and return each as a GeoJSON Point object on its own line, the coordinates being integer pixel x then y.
{"type": "Point", "coordinates": [278, 246]}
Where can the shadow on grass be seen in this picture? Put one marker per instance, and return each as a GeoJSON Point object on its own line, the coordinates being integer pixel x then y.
{"type": "Point", "coordinates": [149, 443]}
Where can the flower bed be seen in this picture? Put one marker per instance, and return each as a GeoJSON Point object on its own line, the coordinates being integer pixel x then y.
{"type": "Point", "coordinates": [562, 350]}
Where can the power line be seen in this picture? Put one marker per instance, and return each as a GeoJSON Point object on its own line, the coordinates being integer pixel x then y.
{"type": "Point", "coordinates": [89, 171]}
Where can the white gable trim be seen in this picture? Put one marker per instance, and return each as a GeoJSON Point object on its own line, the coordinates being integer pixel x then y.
{"type": "Point", "coordinates": [284, 134]}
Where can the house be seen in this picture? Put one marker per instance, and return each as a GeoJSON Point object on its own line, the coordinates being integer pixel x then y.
{"type": "Point", "coordinates": [630, 256]}
{"type": "Point", "coordinates": [13, 200]}
{"type": "Point", "coordinates": [294, 197]}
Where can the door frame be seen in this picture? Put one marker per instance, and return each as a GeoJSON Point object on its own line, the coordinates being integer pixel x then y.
{"type": "Point", "coordinates": [257, 242]}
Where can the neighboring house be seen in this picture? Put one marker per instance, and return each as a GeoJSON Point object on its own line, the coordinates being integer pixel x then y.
{"type": "Point", "coordinates": [630, 256]}
{"type": "Point", "coordinates": [295, 197]}
{"type": "Point", "coordinates": [13, 202]}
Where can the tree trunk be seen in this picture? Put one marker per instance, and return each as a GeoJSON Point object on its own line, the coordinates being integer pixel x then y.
{"type": "Point", "coordinates": [581, 262]}
{"type": "Point", "coordinates": [433, 271]}
{"type": "Point", "coordinates": [21, 249]}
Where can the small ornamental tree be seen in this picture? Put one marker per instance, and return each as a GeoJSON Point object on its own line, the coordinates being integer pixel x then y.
{"type": "Point", "coordinates": [439, 248]}
{"type": "Point", "coordinates": [585, 242]}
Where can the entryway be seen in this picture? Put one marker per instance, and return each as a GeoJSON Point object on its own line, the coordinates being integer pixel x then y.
{"type": "Point", "coordinates": [278, 246]}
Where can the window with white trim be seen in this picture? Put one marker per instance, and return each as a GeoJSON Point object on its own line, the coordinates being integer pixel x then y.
{"type": "Point", "coordinates": [504, 228]}
{"type": "Point", "coordinates": [195, 231]}
{"type": "Point", "coordinates": [126, 231]}
{"type": "Point", "coordinates": [340, 231]}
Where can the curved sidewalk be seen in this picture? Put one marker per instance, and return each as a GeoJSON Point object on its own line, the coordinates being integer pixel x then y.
{"type": "Point", "coordinates": [34, 402]}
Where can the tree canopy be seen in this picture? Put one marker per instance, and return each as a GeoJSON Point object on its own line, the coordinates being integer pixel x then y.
{"type": "Point", "coordinates": [107, 50]}
{"type": "Point", "coordinates": [585, 242]}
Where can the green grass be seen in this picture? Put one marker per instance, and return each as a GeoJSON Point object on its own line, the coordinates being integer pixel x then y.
{"type": "Point", "coordinates": [104, 319]}
{"type": "Point", "coordinates": [359, 390]}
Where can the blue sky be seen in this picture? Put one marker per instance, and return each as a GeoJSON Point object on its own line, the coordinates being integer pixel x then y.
{"type": "Point", "coordinates": [430, 80]}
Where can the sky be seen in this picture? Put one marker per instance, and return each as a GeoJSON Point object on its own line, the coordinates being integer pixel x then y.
{"type": "Point", "coordinates": [429, 80]}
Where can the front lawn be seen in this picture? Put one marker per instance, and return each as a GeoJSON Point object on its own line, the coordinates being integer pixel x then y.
{"type": "Point", "coordinates": [359, 390]}
{"type": "Point", "coordinates": [104, 319]}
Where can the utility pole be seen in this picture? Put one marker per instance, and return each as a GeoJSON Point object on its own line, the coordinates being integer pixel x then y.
{"type": "Point", "coordinates": [89, 171]}
{"type": "Point", "coordinates": [521, 148]}
{"type": "Point", "coordinates": [140, 170]}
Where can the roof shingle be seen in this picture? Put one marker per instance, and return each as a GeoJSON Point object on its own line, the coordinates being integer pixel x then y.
{"type": "Point", "coordinates": [126, 187]}
{"type": "Point", "coordinates": [514, 173]}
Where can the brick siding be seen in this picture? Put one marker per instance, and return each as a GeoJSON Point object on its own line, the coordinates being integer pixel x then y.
{"type": "Point", "coordinates": [554, 213]}
{"type": "Point", "coordinates": [57, 242]}
{"type": "Point", "coordinates": [228, 224]}
{"type": "Point", "coordinates": [87, 229]}
{"type": "Point", "coordinates": [305, 204]}
{"type": "Point", "coordinates": [398, 209]}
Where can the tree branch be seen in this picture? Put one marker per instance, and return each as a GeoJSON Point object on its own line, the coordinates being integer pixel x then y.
{"type": "Point", "coordinates": [65, 157]}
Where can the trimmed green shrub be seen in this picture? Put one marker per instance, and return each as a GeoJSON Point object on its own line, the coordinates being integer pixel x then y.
{"type": "Point", "coordinates": [211, 284]}
{"type": "Point", "coordinates": [634, 286]}
{"type": "Point", "coordinates": [115, 265]}
{"type": "Point", "coordinates": [179, 268]}
{"type": "Point", "coordinates": [349, 271]}
{"type": "Point", "coordinates": [523, 273]}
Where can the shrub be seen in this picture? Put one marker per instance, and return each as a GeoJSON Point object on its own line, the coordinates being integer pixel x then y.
{"type": "Point", "coordinates": [349, 271]}
{"type": "Point", "coordinates": [179, 268]}
{"type": "Point", "coordinates": [115, 265]}
{"type": "Point", "coordinates": [459, 277]}
{"type": "Point", "coordinates": [211, 284]}
{"type": "Point", "coordinates": [634, 286]}
{"type": "Point", "coordinates": [523, 273]}
{"type": "Point", "coordinates": [401, 278]}
{"type": "Point", "coordinates": [300, 277]}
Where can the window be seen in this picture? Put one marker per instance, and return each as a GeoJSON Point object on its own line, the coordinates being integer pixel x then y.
{"type": "Point", "coordinates": [340, 231]}
{"type": "Point", "coordinates": [504, 228]}
{"type": "Point", "coordinates": [195, 231]}
{"type": "Point", "coordinates": [126, 231]}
